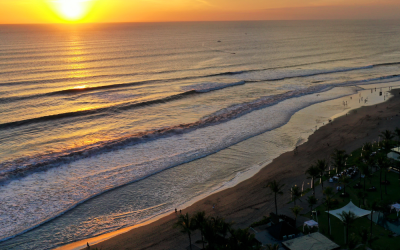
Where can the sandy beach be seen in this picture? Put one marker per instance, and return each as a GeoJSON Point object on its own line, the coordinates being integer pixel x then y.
{"type": "Point", "coordinates": [249, 201]}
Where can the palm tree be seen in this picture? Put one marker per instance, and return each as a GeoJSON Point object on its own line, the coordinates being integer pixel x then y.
{"type": "Point", "coordinates": [273, 247]}
{"type": "Point", "coordinates": [322, 165]}
{"type": "Point", "coordinates": [374, 207]}
{"type": "Point", "coordinates": [367, 147]}
{"type": "Point", "coordinates": [367, 150]}
{"type": "Point", "coordinates": [328, 192]}
{"type": "Point", "coordinates": [339, 159]}
{"type": "Point", "coordinates": [313, 172]}
{"type": "Point", "coordinates": [387, 137]}
{"type": "Point", "coordinates": [276, 188]}
{"type": "Point", "coordinates": [364, 235]}
{"type": "Point", "coordinates": [200, 220]}
{"type": "Point", "coordinates": [187, 225]}
{"type": "Point", "coordinates": [353, 242]}
{"type": "Point", "coordinates": [296, 211]}
{"type": "Point", "coordinates": [344, 180]}
{"type": "Point", "coordinates": [215, 231]}
{"type": "Point", "coordinates": [242, 239]}
{"type": "Point", "coordinates": [397, 132]}
{"type": "Point", "coordinates": [347, 219]}
{"type": "Point", "coordinates": [311, 202]}
{"type": "Point", "coordinates": [384, 164]}
{"type": "Point", "coordinates": [386, 167]}
{"type": "Point", "coordinates": [361, 195]}
{"type": "Point", "coordinates": [296, 193]}
{"type": "Point", "coordinates": [364, 169]}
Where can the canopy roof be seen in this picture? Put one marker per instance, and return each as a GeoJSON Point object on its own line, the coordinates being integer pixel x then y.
{"type": "Point", "coordinates": [350, 207]}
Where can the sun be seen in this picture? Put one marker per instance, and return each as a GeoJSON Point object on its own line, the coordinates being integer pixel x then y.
{"type": "Point", "coordinates": [72, 10]}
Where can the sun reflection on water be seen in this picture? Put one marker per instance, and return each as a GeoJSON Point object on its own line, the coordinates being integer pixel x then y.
{"type": "Point", "coordinates": [81, 87]}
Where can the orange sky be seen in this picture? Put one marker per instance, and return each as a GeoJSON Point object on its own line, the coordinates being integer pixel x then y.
{"type": "Point", "coordinates": [51, 11]}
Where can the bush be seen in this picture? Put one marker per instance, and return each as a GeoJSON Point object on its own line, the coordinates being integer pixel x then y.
{"type": "Point", "coordinates": [265, 220]}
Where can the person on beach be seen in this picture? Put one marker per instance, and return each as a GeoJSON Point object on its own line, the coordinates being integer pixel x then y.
{"type": "Point", "coordinates": [176, 210]}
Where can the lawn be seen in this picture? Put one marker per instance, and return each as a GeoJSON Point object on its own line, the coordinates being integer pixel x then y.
{"type": "Point", "coordinates": [381, 237]}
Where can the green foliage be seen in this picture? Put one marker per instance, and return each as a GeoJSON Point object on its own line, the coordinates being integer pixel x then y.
{"type": "Point", "coordinates": [187, 225]}
{"type": "Point", "coordinates": [264, 221]}
{"type": "Point", "coordinates": [353, 242]}
{"type": "Point", "coordinates": [311, 200]}
{"type": "Point", "coordinates": [381, 237]}
{"type": "Point", "coordinates": [273, 247]}
{"type": "Point", "coordinates": [364, 235]}
{"type": "Point", "coordinates": [313, 173]}
{"type": "Point", "coordinates": [296, 193]}
{"type": "Point", "coordinates": [348, 220]}
{"type": "Point", "coordinates": [241, 239]}
{"type": "Point", "coordinates": [322, 166]}
{"type": "Point", "coordinates": [339, 159]}
{"type": "Point", "coordinates": [296, 211]}
{"type": "Point", "coordinates": [216, 233]}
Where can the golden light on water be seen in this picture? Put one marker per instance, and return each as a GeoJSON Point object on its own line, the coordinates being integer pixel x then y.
{"type": "Point", "coordinates": [72, 10]}
{"type": "Point", "coordinates": [81, 87]}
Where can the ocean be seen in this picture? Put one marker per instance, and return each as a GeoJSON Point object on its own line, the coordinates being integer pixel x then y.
{"type": "Point", "coordinates": [104, 126]}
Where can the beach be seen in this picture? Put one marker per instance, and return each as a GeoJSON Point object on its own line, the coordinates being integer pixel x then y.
{"type": "Point", "coordinates": [249, 201]}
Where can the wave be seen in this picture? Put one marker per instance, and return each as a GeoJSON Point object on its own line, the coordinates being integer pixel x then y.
{"type": "Point", "coordinates": [23, 166]}
{"type": "Point", "coordinates": [210, 86]}
{"type": "Point", "coordinates": [192, 90]}
{"type": "Point", "coordinates": [98, 111]}
{"type": "Point", "coordinates": [131, 84]}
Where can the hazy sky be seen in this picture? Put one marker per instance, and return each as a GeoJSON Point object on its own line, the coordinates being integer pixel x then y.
{"type": "Point", "coordinates": [48, 11]}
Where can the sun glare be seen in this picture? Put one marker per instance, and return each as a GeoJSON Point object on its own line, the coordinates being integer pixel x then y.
{"type": "Point", "coordinates": [72, 10]}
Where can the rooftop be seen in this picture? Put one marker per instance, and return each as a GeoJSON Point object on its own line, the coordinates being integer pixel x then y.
{"type": "Point", "coordinates": [393, 155]}
{"type": "Point", "coordinates": [314, 241]}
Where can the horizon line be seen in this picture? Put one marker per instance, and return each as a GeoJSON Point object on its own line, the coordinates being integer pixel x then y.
{"type": "Point", "coordinates": [204, 21]}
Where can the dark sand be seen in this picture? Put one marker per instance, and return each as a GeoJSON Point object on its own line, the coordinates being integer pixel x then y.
{"type": "Point", "coordinates": [249, 201]}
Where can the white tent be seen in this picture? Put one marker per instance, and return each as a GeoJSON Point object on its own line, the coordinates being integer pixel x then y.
{"type": "Point", "coordinates": [349, 207]}
{"type": "Point", "coordinates": [395, 207]}
{"type": "Point", "coordinates": [310, 223]}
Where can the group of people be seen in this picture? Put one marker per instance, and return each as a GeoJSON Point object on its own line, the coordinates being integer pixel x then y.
{"type": "Point", "coordinates": [350, 172]}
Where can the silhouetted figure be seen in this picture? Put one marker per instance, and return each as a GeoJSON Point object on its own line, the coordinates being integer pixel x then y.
{"type": "Point", "coordinates": [176, 210]}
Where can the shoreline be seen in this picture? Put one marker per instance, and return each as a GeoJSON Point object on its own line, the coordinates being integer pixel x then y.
{"type": "Point", "coordinates": [164, 221]}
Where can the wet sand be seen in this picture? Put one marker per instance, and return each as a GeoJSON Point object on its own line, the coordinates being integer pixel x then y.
{"type": "Point", "coordinates": [249, 201]}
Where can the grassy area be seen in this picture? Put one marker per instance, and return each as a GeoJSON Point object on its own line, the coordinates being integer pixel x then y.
{"type": "Point", "coordinates": [381, 237]}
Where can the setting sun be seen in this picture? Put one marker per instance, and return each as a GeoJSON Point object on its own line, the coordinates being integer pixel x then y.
{"type": "Point", "coordinates": [72, 10]}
